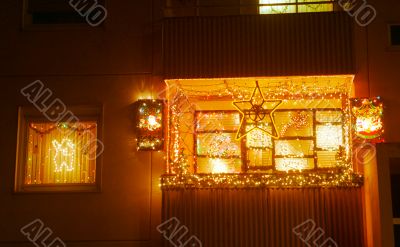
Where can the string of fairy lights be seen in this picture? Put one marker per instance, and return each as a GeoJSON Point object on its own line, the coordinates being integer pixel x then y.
{"type": "Point", "coordinates": [292, 169]}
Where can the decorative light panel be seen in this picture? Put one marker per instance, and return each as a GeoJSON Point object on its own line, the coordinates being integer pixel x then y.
{"type": "Point", "coordinates": [149, 125]}
{"type": "Point", "coordinates": [368, 118]}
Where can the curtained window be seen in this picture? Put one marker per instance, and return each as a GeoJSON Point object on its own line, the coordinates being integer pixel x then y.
{"type": "Point", "coordinates": [59, 156]}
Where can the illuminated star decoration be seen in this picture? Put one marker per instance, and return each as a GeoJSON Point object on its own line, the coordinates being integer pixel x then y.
{"type": "Point", "coordinates": [256, 112]}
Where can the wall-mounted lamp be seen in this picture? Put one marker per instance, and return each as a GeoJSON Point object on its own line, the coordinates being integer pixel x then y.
{"type": "Point", "coordinates": [368, 118]}
{"type": "Point", "coordinates": [149, 124]}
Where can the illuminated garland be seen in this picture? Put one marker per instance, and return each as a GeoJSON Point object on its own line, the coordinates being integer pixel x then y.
{"type": "Point", "coordinates": [180, 181]}
{"type": "Point", "coordinates": [69, 126]}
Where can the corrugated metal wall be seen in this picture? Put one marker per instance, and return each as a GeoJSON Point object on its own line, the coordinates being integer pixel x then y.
{"type": "Point", "coordinates": [266, 217]}
{"type": "Point", "coordinates": [258, 45]}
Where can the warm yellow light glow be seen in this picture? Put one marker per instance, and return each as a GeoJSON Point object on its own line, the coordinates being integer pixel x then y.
{"type": "Point", "coordinates": [149, 125]}
{"type": "Point", "coordinates": [285, 149]}
{"type": "Point", "coordinates": [329, 137]}
{"type": "Point", "coordinates": [368, 118]}
{"type": "Point", "coordinates": [291, 164]}
{"type": "Point", "coordinates": [218, 166]}
{"type": "Point", "coordinates": [153, 123]}
{"type": "Point", "coordinates": [257, 139]}
{"type": "Point", "coordinates": [313, 116]}
{"type": "Point", "coordinates": [369, 124]}
{"type": "Point", "coordinates": [277, 9]}
{"type": "Point", "coordinates": [293, 6]}
{"type": "Point", "coordinates": [65, 155]}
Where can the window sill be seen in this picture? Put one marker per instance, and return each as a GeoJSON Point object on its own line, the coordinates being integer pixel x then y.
{"type": "Point", "coordinates": [57, 188]}
{"type": "Point", "coordinates": [61, 27]}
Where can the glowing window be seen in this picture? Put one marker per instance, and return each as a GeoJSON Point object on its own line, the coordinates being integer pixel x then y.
{"type": "Point", "coordinates": [58, 156]}
{"type": "Point", "coordinates": [217, 150]}
{"type": "Point", "coordinates": [295, 6]}
{"type": "Point", "coordinates": [61, 153]}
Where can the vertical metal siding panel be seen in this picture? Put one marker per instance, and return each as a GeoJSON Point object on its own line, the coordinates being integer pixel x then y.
{"type": "Point", "coordinates": [229, 46]}
{"type": "Point", "coordinates": [266, 217]}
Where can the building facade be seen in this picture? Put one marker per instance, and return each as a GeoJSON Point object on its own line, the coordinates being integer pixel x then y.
{"type": "Point", "coordinates": [254, 131]}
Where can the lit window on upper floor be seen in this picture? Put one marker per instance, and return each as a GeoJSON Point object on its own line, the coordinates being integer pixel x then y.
{"type": "Point", "coordinates": [179, 8]}
{"type": "Point", "coordinates": [295, 6]}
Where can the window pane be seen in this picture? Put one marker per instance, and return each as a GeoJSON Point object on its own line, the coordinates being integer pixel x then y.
{"type": "Point", "coordinates": [294, 123]}
{"type": "Point", "coordinates": [326, 159]}
{"type": "Point", "coordinates": [313, 1]}
{"type": "Point", "coordinates": [218, 165]}
{"type": "Point", "coordinates": [293, 164]}
{"type": "Point", "coordinates": [329, 116]}
{"type": "Point", "coordinates": [316, 8]}
{"type": "Point", "coordinates": [258, 139]}
{"type": "Point", "coordinates": [294, 148]}
{"type": "Point", "coordinates": [259, 158]}
{"type": "Point", "coordinates": [55, 12]}
{"type": "Point", "coordinates": [395, 184]}
{"type": "Point", "coordinates": [276, 1]}
{"type": "Point", "coordinates": [221, 145]}
{"type": "Point", "coordinates": [329, 137]}
{"type": "Point", "coordinates": [279, 9]}
{"type": "Point", "coordinates": [221, 121]}
{"type": "Point", "coordinates": [395, 35]}
{"type": "Point", "coordinates": [57, 18]}
{"type": "Point", "coordinates": [61, 154]}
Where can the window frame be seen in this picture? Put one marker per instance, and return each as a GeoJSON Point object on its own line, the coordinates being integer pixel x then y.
{"type": "Point", "coordinates": [28, 114]}
{"type": "Point", "coordinates": [239, 7]}
{"type": "Point", "coordinates": [297, 4]}
{"type": "Point", "coordinates": [390, 46]}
